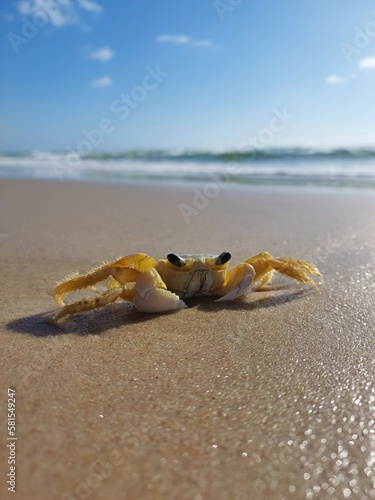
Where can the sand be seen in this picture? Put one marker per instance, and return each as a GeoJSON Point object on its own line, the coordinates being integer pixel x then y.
{"type": "Point", "coordinates": [270, 397]}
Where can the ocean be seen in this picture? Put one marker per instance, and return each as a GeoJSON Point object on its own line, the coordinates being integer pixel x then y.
{"type": "Point", "coordinates": [278, 167]}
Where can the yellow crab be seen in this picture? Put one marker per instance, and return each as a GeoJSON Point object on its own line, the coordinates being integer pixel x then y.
{"type": "Point", "coordinates": [155, 287]}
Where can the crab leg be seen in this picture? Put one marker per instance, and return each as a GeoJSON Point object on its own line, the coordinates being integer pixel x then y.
{"type": "Point", "coordinates": [237, 283]}
{"type": "Point", "coordinates": [126, 292]}
{"type": "Point", "coordinates": [151, 294]}
{"type": "Point", "coordinates": [265, 265]}
{"type": "Point", "coordinates": [123, 270]}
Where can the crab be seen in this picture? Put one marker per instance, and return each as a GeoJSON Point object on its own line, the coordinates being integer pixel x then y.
{"type": "Point", "coordinates": [160, 286]}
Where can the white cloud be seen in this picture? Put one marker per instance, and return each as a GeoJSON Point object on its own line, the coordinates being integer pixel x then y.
{"type": "Point", "coordinates": [100, 83]}
{"type": "Point", "coordinates": [104, 54]}
{"type": "Point", "coordinates": [364, 64]}
{"type": "Point", "coordinates": [335, 80]}
{"type": "Point", "coordinates": [184, 40]}
{"type": "Point", "coordinates": [367, 62]}
{"type": "Point", "coordinates": [90, 6]}
{"type": "Point", "coordinates": [59, 13]}
{"type": "Point", "coordinates": [173, 39]}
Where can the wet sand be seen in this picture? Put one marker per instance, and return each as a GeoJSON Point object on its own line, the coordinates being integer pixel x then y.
{"type": "Point", "coordinates": [270, 397]}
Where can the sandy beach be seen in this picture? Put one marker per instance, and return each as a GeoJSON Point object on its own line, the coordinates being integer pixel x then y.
{"type": "Point", "coordinates": [268, 397]}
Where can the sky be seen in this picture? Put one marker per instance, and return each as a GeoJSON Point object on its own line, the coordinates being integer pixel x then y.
{"type": "Point", "coordinates": [186, 74]}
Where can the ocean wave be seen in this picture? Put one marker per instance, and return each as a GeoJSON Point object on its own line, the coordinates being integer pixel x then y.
{"type": "Point", "coordinates": [291, 167]}
{"type": "Point", "coordinates": [254, 155]}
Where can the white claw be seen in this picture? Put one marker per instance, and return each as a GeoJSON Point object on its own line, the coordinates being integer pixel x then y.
{"type": "Point", "coordinates": [152, 296]}
{"type": "Point", "coordinates": [242, 288]}
{"type": "Point", "coordinates": [158, 300]}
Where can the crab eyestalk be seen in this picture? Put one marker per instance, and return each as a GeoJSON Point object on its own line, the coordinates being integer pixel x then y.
{"type": "Point", "coordinates": [223, 258]}
{"type": "Point", "coordinates": [176, 260]}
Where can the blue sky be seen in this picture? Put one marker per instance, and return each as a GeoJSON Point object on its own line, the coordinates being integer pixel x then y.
{"type": "Point", "coordinates": [191, 74]}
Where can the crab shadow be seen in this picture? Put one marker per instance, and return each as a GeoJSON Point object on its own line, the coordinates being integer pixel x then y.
{"type": "Point", "coordinates": [120, 315]}
{"type": "Point", "coordinates": [264, 299]}
{"type": "Point", "coordinates": [89, 323]}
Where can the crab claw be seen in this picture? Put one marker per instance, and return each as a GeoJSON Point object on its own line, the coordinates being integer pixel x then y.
{"type": "Point", "coordinates": [244, 275]}
{"type": "Point", "coordinates": [151, 294]}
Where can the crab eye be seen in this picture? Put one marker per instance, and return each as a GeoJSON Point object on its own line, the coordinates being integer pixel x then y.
{"type": "Point", "coordinates": [176, 260]}
{"type": "Point", "coordinates": [223, 258]}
